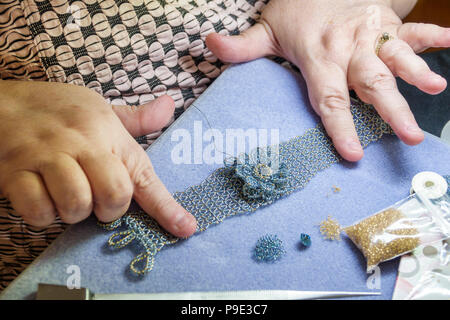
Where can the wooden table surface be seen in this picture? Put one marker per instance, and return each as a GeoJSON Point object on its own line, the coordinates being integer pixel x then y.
{"type": "Point", "coordinates": [431, 11]}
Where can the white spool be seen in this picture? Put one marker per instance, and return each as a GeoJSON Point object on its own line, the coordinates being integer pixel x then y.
{"type": "Point", "coordinates": [435, 185]}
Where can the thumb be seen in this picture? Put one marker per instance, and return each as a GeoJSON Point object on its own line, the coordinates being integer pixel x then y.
{"type": "Point", "coordinates": [253, 43]}
{"type": "Point", "coordinates": [154, 198]}
{"type": "Point", "coordinates": [147, 118]}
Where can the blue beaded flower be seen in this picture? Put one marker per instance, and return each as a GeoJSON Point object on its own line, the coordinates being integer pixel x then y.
{"type": "Point", "coordinates": [269, 248]}
{"type": "Point", "coordinates": [264, 177]}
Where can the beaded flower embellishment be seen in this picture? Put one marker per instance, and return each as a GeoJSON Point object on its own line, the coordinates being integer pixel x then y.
{"type": "Point", "coordinates": [264, 177]}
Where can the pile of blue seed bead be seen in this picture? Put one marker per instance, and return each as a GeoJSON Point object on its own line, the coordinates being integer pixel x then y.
{"type": "Point", "coordinates": [269, 248]}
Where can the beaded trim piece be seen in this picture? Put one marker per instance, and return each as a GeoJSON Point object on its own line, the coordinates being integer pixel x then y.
{"type": "Point", "coordinates": [230, 191]}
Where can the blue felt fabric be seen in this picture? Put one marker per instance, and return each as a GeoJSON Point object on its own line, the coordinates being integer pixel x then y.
{"type": "Point", "coordinates": [260, 94]}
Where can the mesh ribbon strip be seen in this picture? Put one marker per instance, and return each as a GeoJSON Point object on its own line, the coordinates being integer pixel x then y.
{"type": "Point", "coordinates": [220, 196]}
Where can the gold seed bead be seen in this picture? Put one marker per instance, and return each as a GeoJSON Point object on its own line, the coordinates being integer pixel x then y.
{"type": "Point", "coordinates": [364, 236]}
{"type": "Point", "coordinates": [330, 229]}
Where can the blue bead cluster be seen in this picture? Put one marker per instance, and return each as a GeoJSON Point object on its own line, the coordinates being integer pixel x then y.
{"type": "Point", "coordinates": [269, 248]}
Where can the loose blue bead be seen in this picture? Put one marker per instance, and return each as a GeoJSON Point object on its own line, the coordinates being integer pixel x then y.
{"type": "Point", "coordinates": [305, 239]}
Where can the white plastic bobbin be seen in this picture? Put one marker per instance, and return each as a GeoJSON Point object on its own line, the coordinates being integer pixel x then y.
{"type": "Point", "coordinates": [434, 183]}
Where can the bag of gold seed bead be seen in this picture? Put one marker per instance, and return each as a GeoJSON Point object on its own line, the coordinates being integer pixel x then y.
{"type": "Point", "coordinates": [422, 218]}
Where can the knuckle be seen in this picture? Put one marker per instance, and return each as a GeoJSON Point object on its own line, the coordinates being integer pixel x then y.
{"type": "Point", "coordinates": [85, 155]}
{"type": "Point", "coordinates": [144, 178]}
{"type": "Point", "coordinates": [333, 42]}
{"type": "Point", "coordinates": [76, 204]}
{"type": "Point", "coordinates": [333, 101]}
{"type": "Point", "coordinates": [117, 196]}
{"type": "Point", "coordinates": [379, 81]}
{"type": "Point", "coordinates": [411, 28]}
{"type": "Point", "coordinates": [361, 43]}
{"type": "Point", "coordinates": [47, 165]}
{"type": "Point", "coordinates": [52, 162]}
{"type": "Point", "coordinates": [330, 35]}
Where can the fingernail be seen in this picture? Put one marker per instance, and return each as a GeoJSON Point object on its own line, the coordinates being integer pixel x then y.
{"type": "Point", "coordinates": [185, 220]}
{"type": "Point", "coordinates": [354, 146]}
{"type": "Point", "coordinates": [413, 128]}
{"type": "Point", "coordinates": [435, 77]}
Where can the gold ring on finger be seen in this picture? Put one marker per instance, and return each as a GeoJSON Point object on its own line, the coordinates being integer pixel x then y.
{"type": "Point", "coordinates": [385, 37]}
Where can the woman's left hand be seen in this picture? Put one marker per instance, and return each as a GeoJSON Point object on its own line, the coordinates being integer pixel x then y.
{"type": "Point", "coordinates": [333, 43]}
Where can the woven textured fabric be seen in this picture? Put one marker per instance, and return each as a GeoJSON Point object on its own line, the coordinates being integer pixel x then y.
{"type": "Point", "coordinates": [131, 51]}
{"type": "Point", "coordinates": [18, 56]}
{"type": "Point", "coordinates": [21, 243]}
{"type": "Point", "coordinates": [220, 195]}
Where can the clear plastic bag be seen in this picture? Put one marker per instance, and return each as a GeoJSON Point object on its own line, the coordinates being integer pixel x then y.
{"type": "Point", "coordinates": [419, 219]}
{"type": "Point", "coordinates": [432, 285]}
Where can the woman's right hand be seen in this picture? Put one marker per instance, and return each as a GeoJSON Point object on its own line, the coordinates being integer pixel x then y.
{"type": "Point", "coordinates": [65, 151]}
